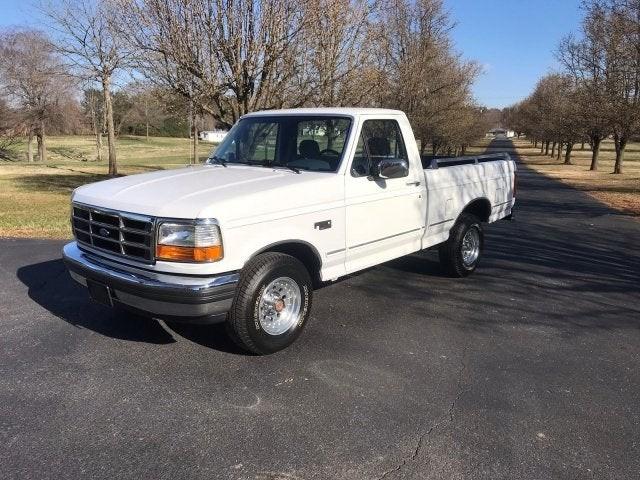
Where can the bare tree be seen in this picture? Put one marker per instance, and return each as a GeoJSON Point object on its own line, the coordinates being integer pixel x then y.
{"type": "Point", "coordinates": [587, 60]}
{"type": "Point", "coordinates": [341, 48]}
{"type": "Point", "coordinates": [87, 36]}
{"type": "Point", "coordinates": [606, 60]}
{"type": "Point", "coordinates": [228, 58]}
{"type": "Point", "coordinates": [623, 47]}
{"type": "Point", "coordinates": [34, 80]}
{"type": "Point", "coordinates": [424, 77]}
{"type": "Point", "coordinates": [10, 127]}
{"type": "Point", "coordinates": [93, 105]}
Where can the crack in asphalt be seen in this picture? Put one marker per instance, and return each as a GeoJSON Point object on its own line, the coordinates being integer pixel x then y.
{"type": "Point", "coordinates": [449, 416]}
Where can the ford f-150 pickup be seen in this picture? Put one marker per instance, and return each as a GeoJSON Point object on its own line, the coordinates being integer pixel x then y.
{"type": "Point", "coordinates": [289, 199]}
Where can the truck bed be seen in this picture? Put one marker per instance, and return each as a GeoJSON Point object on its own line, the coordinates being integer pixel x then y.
{"type": "Point", "coordinates": [453, 183]}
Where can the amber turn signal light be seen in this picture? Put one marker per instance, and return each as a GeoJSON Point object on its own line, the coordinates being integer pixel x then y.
{"type": "Point", "coordinates": [189, 254]}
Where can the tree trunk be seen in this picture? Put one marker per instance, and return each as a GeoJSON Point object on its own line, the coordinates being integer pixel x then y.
{"type": "Point", "coordinates": [42, 143]}
{"type": "Point", "coordinates": [553, 149]}
{"type": "Point", "coordinates": [546, 148]}
{"type": "Point", "coordinates": [541, 147]}
{"type": "Point", "coordinates": [146, 116]}
{"type": "Point", "coordinates": [194, 119]}
{"type": "Point", "coordinates": [535, 143]}
{"type": "Point", "coordinates": [111, 134]}
{"type": "Point", "coordinates": [621, 144]}
{"type": "Point", "coordinates": [559, 152]}
{"type": "Point", "coordinates": [567, 155]}
{"type": "Point", "coordinates": [99, 145]}
{"type": "Point", "coordinates": [582, 146]}
{"type": "Point", "coordinates": [464, 150]}
{"type": "Point", "coordinates": [97, 131]}
{"type": "Point", "coordinates": [30, 147]}
{"type": "Point", "coordinates": [595, 153]}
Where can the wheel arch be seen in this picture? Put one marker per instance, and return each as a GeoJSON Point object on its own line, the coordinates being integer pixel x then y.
{"type": "Point", "coordinates": [480, 207]}
{"type": "Point", "coordinates": [305, 252]}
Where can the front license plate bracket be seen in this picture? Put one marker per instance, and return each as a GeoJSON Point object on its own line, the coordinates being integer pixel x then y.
{"type": "Point", "coordinates": [100, 293]}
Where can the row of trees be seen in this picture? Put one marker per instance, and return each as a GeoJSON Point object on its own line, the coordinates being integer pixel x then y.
{"type": "Point", "coordinates": [222, 59]}
{"type": "Point", "coordinates": [598, 93]}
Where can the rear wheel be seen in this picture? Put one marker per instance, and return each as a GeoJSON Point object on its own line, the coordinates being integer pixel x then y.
{"type": "Point", "coordinates": [460, 255]}
{"type": "Point", "coordinates": [272, 303]}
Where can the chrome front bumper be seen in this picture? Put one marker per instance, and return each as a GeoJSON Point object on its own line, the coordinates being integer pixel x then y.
{"type": "Point", "coordinates": [187, 298]}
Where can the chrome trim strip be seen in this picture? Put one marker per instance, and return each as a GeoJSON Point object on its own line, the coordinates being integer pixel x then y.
{"type": "Point", "coordinates": [109, 211]}
{"type": "Point", "coordinates": [385, 238]}
{"type": "Point", "coordinates": [440, 223]}
{"type": "Point", "coordinates": [333, 252]}
{"type": "Point", "coordinates": [120, 263]}
{"type": "Point", "coordinates": [72, 253]}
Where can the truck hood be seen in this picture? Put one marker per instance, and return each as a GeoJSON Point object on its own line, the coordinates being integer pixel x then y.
{"type": "Point", "coordinates": [213, 191]}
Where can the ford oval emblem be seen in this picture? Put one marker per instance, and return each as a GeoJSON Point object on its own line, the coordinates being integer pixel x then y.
{"type": "Point", "coordinates": [104, 232]}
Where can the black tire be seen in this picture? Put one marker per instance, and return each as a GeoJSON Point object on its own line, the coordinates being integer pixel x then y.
{"type": "Point", "coordinates": [450, 252]}
{"type": "Point", "coordinates": [243, 319]}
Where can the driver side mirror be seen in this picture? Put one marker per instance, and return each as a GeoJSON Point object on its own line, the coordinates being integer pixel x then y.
{"type": "Point", "coordinates": [392, 168]}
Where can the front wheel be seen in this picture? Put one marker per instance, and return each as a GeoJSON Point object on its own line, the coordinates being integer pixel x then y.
{"type": "Point", "coordinates": [272, 303]}
{"type": "Point", "coordinates": [460, 255]}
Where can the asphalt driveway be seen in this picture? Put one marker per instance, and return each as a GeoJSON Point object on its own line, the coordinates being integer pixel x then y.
{"type": "Point", "coordinates": [529, 369]}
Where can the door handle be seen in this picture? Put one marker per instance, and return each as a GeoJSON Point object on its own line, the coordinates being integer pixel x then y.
{"type": "Point", "coordinates": [415, 184]}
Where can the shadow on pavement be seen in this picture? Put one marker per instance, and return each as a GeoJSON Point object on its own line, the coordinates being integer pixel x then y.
{"type": "Point", "coordinates": [51, 287]}
{"type": "Point", "coordinates": [564, 246]}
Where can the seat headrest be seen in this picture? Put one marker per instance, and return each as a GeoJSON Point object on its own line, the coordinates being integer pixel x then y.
{"type": "Point", "coordinates": [379, 146]}
{"type": "Point", "coordinates": [309, 149]}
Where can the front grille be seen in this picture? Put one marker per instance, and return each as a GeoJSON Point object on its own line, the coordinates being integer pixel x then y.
{"type": "Point", "coordinates": [118, 233]}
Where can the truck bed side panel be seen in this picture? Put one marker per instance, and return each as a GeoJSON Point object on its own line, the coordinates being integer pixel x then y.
{"type": "Point", "coordinates": [451, 189]}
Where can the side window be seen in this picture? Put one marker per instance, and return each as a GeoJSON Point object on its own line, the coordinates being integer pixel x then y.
{"type": "Point", "coordinates": [379, 139]}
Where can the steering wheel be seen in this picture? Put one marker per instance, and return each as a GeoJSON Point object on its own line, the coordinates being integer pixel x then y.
{"type": "Point", "coordinates": [331, 151]}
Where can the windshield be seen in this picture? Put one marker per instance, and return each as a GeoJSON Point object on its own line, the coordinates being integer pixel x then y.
{"type": "Point", "coordinates": [295, 142]}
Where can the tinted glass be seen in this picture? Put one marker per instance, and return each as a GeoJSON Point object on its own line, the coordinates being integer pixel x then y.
{"type": "Point", "coordinates": [305, 143]}
{"type": "Point", "coordinates": [378, 140]}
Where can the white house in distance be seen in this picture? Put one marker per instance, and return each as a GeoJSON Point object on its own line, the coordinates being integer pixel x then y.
{"type": "Point", "coordinates": [213, 136]}
{"type": "Point", "coordinates": [501, 132]}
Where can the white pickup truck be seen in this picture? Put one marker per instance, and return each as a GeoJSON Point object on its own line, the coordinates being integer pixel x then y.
{"type": "Point", "coordinates": [289, 199]}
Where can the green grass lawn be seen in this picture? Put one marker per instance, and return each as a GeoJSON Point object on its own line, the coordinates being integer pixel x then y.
{"type": "Point", "coordinates": [34, 197]}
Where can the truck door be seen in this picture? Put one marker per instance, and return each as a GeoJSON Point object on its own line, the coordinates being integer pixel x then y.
{"type": "Point", "coordinates": [384, 217]}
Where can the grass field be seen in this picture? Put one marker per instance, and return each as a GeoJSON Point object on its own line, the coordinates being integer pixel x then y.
{"type": "Point", "coordinates": [621, 192]}
{"type": "Point", "coordinates": [34, 197]}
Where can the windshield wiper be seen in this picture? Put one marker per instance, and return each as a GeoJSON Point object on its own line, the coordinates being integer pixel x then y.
{"type": "Point", "coordinates": [219, 160]}
{"type": "Point", "coordinates": [280, 165]}
{"type": "Point", "coordinates": [293, 169]}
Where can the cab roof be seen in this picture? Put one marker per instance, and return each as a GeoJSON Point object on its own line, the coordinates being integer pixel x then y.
{"type": "Point", "coordinates": [342, 111]}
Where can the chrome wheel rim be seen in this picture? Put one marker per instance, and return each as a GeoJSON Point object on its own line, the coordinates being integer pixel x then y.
{"type": "Point", "coordinates": [280, 305]}
{"type": "Point", "coordinates": [470, 247]}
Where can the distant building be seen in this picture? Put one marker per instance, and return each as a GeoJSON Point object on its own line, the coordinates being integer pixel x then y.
{"type": "Point", "coordinates": [502, 132]}
{"type": "Point", "coordinates": [213, 136]}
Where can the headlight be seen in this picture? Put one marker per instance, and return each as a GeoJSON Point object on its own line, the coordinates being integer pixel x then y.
{"type": "Point", "coordinates": [189, 242]}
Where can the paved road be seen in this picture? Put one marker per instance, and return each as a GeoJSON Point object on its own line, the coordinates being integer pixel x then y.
{"type": "Point", "coordinates": [530, 369]}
